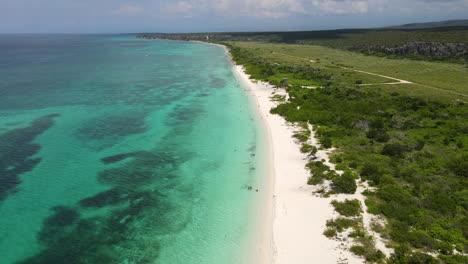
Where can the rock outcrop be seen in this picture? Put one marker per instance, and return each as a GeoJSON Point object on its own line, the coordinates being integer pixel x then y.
{"type": "Point", "coordinates": [429, 49]}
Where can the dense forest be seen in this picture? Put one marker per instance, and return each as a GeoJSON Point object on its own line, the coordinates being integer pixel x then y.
{"type": "Point", "coordinates": [413, 151]}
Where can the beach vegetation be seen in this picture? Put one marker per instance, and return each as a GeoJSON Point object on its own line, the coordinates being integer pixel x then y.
{"type": "Point", "coordinates": [348, 207]}
{"type": "Point", "coordinates": [330, 232]}
{"type": "Point", "coordinates": [301, 136]}
{"type": "Point", "coordinates": [358, 250]}
{"type": "Point", "coordinates": [345, 183]}
{"type": "Point", "coordinates": [306, 148]}
{"type": "Point", "coordinates": [340, 224]}
{"type": "Point", "coordinates": [319, 172]}
{"type": "Point", "coordinates": [278, 98]}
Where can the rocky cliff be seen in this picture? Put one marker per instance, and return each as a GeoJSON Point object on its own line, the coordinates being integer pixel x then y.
{"type": "Point", "coordinates": [429, 49]}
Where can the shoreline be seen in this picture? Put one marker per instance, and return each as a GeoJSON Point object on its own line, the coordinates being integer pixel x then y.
{"type": "Point", "coordinates": [291, 219]}
{"type": "Point", "coordinates": [298, 218]}
{"type": "Point", "coordinates": [262, 240]}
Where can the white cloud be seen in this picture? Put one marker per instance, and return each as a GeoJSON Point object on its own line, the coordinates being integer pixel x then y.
{"type": "Point", "coordinates": [183, 8]}
{"type": "Point", "coordinates": [128, 10]}
{"type": "Point", "coordinates": [280, 9]}
{"type": "Point", "coordinates": [340, 7]}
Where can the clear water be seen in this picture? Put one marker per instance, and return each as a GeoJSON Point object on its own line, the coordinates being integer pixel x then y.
{"type": "Point", "coordinates": [120, 150]}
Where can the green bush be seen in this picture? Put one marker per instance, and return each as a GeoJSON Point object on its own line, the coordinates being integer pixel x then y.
{"type": "Point", "coordinates": [358, 250]}
{"type": "Point", "coordinates": [319, 171]}
{"type": "Point", "coordinates": [394, 150]}
{"type": "Point", "coordinates": [330, 232]}
{"type": "Point", "coordinates": [302, 137]}
{"type": "Point", "coordinates": [326, 142]}
{"type": "Point", "coordinates": [341, 167]}
{"type": "Point", "coordinates": [340, 224]}
{"type": "Point", "coordinates": [375, 256]}
{"type": "Point", "coordinates": [454, 259]}
{"type": "Point", "coordinates": [345, 183]}
{"type": "Point", "coordinates": [357, 233]}
{"type": "Point", "coordinates": [348, 207]}
{"type": "Point", "coordinates": [306, 148]}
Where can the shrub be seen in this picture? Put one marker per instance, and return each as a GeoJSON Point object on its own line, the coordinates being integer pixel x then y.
{"type": "Point", "coordinates": [358, 233]}
{"type": "Point", "coordinates": [340, 224]}
{"type": "Point", "coordinates": [341, 167]}
{"type": "Point", "coordinates": [395, 150]}
{"type": "Point", "coordinates": [326, 142]}
{"type": "Point", "coordinates": [330, 232]}
{"type": "Point", "coordinates": [358, 250]}
{"type": "Point", "coordinates": [303, 137]}
{"type": "Point", "coordinates": [348, 207]}
{"type": "Point", "coordinates": [345, 183]}
{"type": "Point", "coordinates": [455, 259]}
{"type": "Point", "coordinates": [338, 159]}
{"type": "Point", "coordinates": [378, 134]}
{"type": "Point", "coordinates": [371, 170]}
{"type": "Point", "coordinates": [375, 256]}
{"type": "Point", "coordinates": [319, 172]}
{"type": "Point", "coordinates": [370, 254]}
{"type": "Point", "coordinates": [306, 148]}
{"type": "Point", "coordinates": [421, 258]}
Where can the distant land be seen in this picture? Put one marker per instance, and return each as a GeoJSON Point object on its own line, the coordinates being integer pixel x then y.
{"type": "Point", "coordinates": [446, 23]}
{"type": "Point", "coordinates": [435, 41]}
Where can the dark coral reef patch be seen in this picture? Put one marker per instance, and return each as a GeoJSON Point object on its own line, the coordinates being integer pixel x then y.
{"type": "Point", "coordinates": [17, 150]}
{"type": "Point", "coordinates": [121, 224]}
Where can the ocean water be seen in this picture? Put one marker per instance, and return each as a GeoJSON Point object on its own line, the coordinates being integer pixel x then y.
{"type": "Point", "coordinates": [121, 150]}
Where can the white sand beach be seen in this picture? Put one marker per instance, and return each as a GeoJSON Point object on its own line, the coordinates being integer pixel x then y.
{"type": "Point", "coordinates": [298, 216]}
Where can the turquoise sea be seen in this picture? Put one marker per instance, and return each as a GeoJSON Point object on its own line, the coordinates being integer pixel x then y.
{"type": "Point", "coordinates": [121, 150]}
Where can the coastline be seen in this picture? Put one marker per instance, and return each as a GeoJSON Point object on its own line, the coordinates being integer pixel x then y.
{"type": "Point", "coordinates": [291, 217]}
{"type": "Point", "coordinates": [263, 213]}
{"type": "Point", "coordinates": [299, 217]}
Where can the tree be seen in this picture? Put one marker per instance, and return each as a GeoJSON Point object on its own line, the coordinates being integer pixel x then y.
{"type": "Point", "coordinates": [313, 151]}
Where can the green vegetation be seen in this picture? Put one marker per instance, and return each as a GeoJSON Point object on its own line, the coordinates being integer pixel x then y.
{"type": "Point", "coordinates": [330, 232]}
{"type": "Point", "coordinates": [278, 98]}
{"type": "Point", "coordinates": [364, 244]}
{"type": "Point", "coordinates": [413, 150]}
{"type": "Point", "coordinates": [348, 207]}
{"type": "Point", "coordinates": [309, 149]}
{"type": "Point", "coordinates": [444, 82]}
{"type": "Point", "coordinates": [341, 224]}
{"type": "Point", "coordinates": [319, 172]}
{"type": "Point", "coordinates": [345, 183]}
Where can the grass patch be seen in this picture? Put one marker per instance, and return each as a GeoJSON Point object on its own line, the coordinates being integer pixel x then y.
{"type": "Point", "coordinates": [437, 81]}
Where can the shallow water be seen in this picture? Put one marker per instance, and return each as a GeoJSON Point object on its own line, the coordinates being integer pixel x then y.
{"type": "Point", "coordinates": [120, 150]}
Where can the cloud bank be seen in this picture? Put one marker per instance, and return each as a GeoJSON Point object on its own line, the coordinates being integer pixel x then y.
{"type": "Point", "coordinates": [218, 15]}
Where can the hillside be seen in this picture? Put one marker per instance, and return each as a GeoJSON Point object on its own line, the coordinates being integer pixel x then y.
{"type": "Point", "coordinates": [447, 23]}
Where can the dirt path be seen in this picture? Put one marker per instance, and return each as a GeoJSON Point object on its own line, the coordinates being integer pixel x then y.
{"type": "Point", "coordinates": [399, 81]}
{"type": "Point", "coordinates": [403, 82]}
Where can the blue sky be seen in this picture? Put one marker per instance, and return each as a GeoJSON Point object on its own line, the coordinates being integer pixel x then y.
{"type": "Point", "coordinates": [127, 16]}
